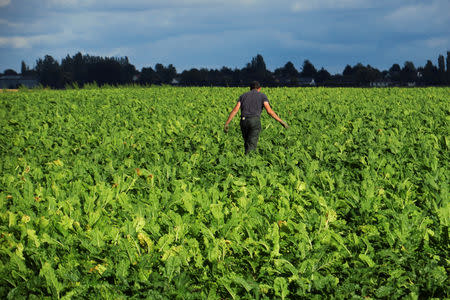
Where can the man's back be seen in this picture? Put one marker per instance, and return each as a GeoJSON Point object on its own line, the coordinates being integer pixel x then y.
{"type": "Point", "coordinates": [252, 103]}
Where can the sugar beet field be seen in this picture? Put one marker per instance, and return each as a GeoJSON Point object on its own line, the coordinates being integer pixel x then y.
{"type": "Point", "coordinates": [119, 193]}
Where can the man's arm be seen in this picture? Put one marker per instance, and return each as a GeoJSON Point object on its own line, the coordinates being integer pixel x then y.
{"type": "Point", "coordinates": [231, 116]}
{"type": "Point", "coordinates": [274, 115]}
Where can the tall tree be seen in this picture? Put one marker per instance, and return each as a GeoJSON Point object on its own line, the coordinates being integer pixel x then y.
{"type": "Point", "coordinates": [441, 69]}
{"type": "Point", "coordinates": [67, 70]}
{"type": "Point", "coordinates": [49, 72]}
{"type": "Point", "coordinates": [348, 71]}
{"type": "Point", "coordinates": [430, 73]}
{"type": "Point", "coordinates": [258, 64]}
{"type": "Point", "coordinates": [322, 76]}
{"type": "Point", "coordinates": [193, 77]}
{"type": "Point", "coordinates": [394, 73]}
{"type": "Point", "coordinates": [255, 70]}
{"type": "Point", "coordinates": [148, 76]}
{"type": "Point", "coordinates": [287, 74]}
{"type": "Point", "coordinates": [127, 71]}
{"type": "Point", "coordinates": [290, 70]}
{"type": "Point", "coordinates": [441, 63]}
{"type": "Point", "coordinates": [24, 70]}
{"type": "Point", "coordinates": [165, 75]}
{"type": "Point", "coordinates": [448, 67]}
{"type": "Point", "coordinates": [364, 75]}
{"type": "Point", "coordinates": [80, 69]}
{"type": "Point", "coordinates": [308, 69]}
{"type": "Point", "coordinates": [408, 73]}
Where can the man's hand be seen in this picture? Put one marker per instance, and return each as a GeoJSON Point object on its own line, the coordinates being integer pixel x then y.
{"type": "Point", "coordinates": [274, 115]}
{"type": "Point", "coordinates": [231, 116]}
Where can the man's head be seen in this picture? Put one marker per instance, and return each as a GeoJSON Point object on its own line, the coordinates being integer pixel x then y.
{"type": "Point", "coordinates": [255, 85]}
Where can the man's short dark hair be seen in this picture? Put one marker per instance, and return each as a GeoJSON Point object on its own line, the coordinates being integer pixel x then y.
{"type": "Point", "coordinates": [254, 85]}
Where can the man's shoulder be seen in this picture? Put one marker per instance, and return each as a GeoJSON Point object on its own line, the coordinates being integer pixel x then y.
{"type": "Point", "coordinates": [246, 93]}
{"type": "Point", "coordinates": [254, 95]}
{"type": "Point", "coordinates": [264, 97]}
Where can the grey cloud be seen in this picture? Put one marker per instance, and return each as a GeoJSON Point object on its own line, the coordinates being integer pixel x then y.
{"type": "Point", "coordinates": [421, 17]}
{"type": "Point", "coordinates": [214, 33]}
{"type": "Point", "coordinates": [4, 2]}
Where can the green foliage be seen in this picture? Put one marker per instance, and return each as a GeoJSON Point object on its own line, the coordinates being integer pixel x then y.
{"type": "Point", "coordinates": [137, 192]}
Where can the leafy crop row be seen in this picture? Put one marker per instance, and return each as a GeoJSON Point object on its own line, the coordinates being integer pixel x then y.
{"type": "Point", "coordinates": [137, 192]}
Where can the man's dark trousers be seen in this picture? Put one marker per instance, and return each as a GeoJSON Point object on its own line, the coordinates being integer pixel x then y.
{"type": "Point", "coordinates": [250, 127]}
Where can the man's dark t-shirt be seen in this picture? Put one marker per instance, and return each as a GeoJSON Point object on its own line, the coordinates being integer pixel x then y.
{"type": "Point", "coordinates": [252, 103]}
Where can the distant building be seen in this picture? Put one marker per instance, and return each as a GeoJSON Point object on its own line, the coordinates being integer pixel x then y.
{"type": "Point", "coordinates": [15, 81]}
{"type": "Point", "coordinates": [381, 83]}
{"type": "Point", "coordinates": [306, 81]}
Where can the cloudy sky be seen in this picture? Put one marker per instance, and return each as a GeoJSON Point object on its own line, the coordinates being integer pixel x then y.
{"type": "Point", "coordinates": [215, 33]}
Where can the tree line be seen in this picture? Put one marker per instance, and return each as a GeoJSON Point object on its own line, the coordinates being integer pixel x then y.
{"type": "Point", "coordinates": [79, 70]}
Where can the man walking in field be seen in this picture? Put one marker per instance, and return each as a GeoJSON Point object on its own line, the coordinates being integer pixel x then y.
{"type": "Point", "coordinates": [251, 104]}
